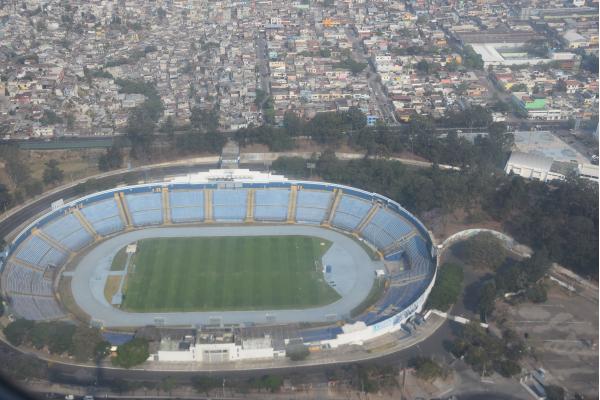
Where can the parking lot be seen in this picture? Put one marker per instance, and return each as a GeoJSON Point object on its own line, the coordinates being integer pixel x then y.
{"type": "Point", "coordinates": [563, 333]}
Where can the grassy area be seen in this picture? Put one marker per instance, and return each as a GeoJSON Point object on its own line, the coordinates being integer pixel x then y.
{"type": "Point", "coordinates": [374, 294]}
{"type": "Point", "coordinates": [227, 273]}
{"type": "Point", "coordinates": [118, 262]}
{"type": "Point", "coordinates": [111, 287]}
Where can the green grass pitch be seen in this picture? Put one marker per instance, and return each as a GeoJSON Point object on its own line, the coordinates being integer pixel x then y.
{"type": "Point", "coordinates": [227, 273]}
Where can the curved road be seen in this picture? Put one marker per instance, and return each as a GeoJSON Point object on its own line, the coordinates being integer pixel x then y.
{"type": "Point", "coordinates": [354, 283]}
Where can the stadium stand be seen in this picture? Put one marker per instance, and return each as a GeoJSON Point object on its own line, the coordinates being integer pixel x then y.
{"type": "Point", "coordinates": [271, 204]}
{"type": "Point", "coordinates": [350, 212]}
{"type": "Point", "coordinates": [388, 227]}
{"type": "Point", "coordinates": [186, 205]}
{"type": "Point", "coordinates": [48, 307]}
{"type": "Point", "coordinates": [385, 228]}
{"type": "Point", "coordinates": [36, 251]}
{"type": "Point", "coordinates": [311, 206]}
{"type": "Point", "coordinates": [103, 216]}
{"type": "Point", "coordinates": [69, 232]}
{"type": "Point", "coordinates": [229, 204]}
{"type": "Point", "coordinates": [145, 208]}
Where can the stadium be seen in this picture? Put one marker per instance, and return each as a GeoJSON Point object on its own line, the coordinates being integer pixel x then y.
{"type": "Point", "coordinates": [226, 248]}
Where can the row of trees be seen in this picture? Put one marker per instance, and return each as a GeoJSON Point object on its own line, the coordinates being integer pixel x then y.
{"type": "Point", "coordinates": [81, 342]}
{"type": "Point", "coordinates": [325, 128]}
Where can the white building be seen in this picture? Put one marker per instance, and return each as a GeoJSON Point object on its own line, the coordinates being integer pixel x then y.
{"type": "Point", "coordinates": [531, 166]}
{"type": "Point", "coordinates": [215, 347]}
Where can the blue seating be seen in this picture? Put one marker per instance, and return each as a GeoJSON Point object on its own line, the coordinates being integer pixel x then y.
{"type": "Point", "coordinates": [104, 216]}
{"type": "Point", "coordinates": [18, 279]}
{"type": "Point", "coordinates": [69, 232]}
{"type": "Point", "coordinates": [271, 204]}
{"type": "Point", "coordinates": [419, 258]}
{"type": "Point", "coordinates": [385, 228]}
{"type": "Point", "coordinates": [350, 211]}
{"type": "Point", "coordinates": [24, 305]}
{"type": "Point", "coordinates": [229, 205]}
{"type": "Point", "coordinates": [145, 208]}
{"type": "Point", "coordinates": [38, 252]}
{"type": "Point", "coordinates": [32, 250]}
{"type": "Point", "coordinates": [312, 206]}
{"type": "Point", "coordinates": [53, 257]}
{"type": "Point", "coordinates": [49, 308]}
{"type": "Point", "coordinates": [186, 205]}
{"type": "Point", "coordinates": [316, 335]}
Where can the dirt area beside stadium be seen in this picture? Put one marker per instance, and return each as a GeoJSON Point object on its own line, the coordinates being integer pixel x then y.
{"type": "Point", "coordinates": [563, 333]}
{"type": "Point", "coordinates": [443, 226]}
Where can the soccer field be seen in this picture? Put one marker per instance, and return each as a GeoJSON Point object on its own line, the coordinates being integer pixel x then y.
{"type": "Point", "coordinates": [227, 273]}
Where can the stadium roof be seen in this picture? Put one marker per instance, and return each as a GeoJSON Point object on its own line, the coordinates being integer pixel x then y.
{"type": "Point", "coordinates": [229, 175]}
{"type": "Point", "coordinates": [533, 161]}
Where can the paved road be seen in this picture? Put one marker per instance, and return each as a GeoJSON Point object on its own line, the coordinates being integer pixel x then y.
{"type": "Point", "coordinates": [345, 254]}
{"type": "Point", "coordinates": [380, 99]}
{"type": "Point", "coordinates": [261, 55]}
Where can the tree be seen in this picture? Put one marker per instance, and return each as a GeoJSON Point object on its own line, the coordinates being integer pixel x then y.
{"type": "Point", "coordinates": [168, 384]}
{"type": "Point", "coordinates": [507, 368]}
{"type": "Point", "coordinates": [33, 187]}
{"type": "Point", "coordinates": [537, 48]}
{"type": "Point", "coordinates": [560, 86]}
{"type": "Point", "coordinates": [168, 126]}
{"type": "Point", "coordinates": [161, 13]}
{"type": "Point", "coordinates": [355, 118]}
{"type": "Point", "coordinates": [204, 120]}
{"type": "Point", "coordinates": [52, 173]}
{"type": "Point", "coordinates": [102, 350]}
{"type": "Point", "coordinates": [5, 198]}
{"type": "Point", "coordinates": [293, 125]}
{"type": "Point", "coordinates": [204, 384]}
{"type": "Point", "coordinates": [537, 293]}
{"type": "Point", "coordinates": [140, 131]}
{"type": "Point", "coordinates": [423, 67]}
{"type": "Point", "coordinates": [519, 87]}
{"type": "Point", "coordinates": [17, 331]}
{"type": "Point", "coordinates": [554, 392]}
{"type": "Point", "coordinates": [59, 337]}
{"type": "Point", "coordinates": [297, 353]}
{"type": "Point", "coordinates": [589, 62]}
{"type": "Point", "coordinates": [86, 343]}
{"type": "Point", "coordinates": [112, 159]}
{"type": "Point", "coordinates": [132, 353]}
{"type": "Point", "coordinates": [483, 250]}
{"type": "Point", "coordinates": [447, 287]}
{"type": "Point", "coordinates": [427, 369]}
{"type": "Point", "coordinates": [351, 65]}
{"type": "Point", "coordinates": [471, 59]}
{"type": "Point", "coordinates": [50, 118]}
{"type": "Point", "coordinates": [17, 169]}
{"type": "Point", "coordinates": [487, 299]}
